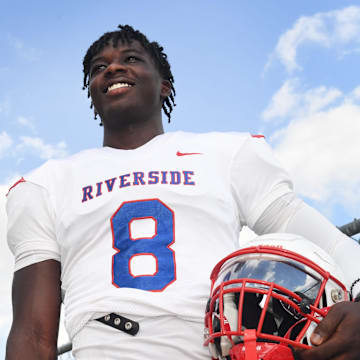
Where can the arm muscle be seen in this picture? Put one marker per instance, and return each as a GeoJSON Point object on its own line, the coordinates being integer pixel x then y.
{"type": "Point", "coordinates": [36, 308]}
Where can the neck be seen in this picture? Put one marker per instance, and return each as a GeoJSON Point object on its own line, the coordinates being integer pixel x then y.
{"type": "Point", "coordinates": [132, 136]}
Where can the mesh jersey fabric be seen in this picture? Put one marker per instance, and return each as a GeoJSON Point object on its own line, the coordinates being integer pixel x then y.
{"type": "Point", "coordinates": [180, 200]}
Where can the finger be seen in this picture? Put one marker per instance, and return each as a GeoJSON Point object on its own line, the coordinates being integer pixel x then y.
{"type": "Point", "coordinates": [327, 327]}
{"type": "Point", "coordinates": [331, 350]}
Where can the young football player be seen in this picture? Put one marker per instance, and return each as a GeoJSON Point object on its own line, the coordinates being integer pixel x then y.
{"type": "Point", "coordinates": [126, 235]}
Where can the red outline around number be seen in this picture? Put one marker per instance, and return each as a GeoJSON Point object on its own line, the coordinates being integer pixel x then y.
{"type": "Point", "coordinates": [168, 246]}
{"type": "Point", "coordinates": [140, 218]}
{"type": "Point", "coordinates": [156, 260]}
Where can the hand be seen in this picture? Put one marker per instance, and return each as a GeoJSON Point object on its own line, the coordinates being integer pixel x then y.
{"type": "Point", "coordinates": [337, 337]}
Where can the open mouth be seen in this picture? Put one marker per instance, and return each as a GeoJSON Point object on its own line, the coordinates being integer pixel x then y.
{"type": "Point", "coordinates": [117, 85]}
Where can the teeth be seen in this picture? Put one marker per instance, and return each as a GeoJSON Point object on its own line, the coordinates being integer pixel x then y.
{"type": "Point", "coordinates": [118, 85]}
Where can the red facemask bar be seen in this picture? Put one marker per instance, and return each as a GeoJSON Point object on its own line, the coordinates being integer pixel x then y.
{"type": "Point", "coordinates": [251, 318]}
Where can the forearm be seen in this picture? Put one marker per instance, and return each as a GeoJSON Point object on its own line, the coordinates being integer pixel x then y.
{"type": "Point", "coordinates": [29, 345]}
{"type": "Point", "coordinates": [344, 250]}
{"type": "Point", "coordinates": [36, 312]}
{"type": "Point", "coordinates": [290, 214]}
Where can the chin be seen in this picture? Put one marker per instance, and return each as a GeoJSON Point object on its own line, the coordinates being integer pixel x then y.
{"type": "Point", "coordinates": [116, 117]}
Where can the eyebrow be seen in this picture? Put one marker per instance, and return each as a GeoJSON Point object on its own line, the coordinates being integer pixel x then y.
{"type": "Point", "coordinates": [127, 50]}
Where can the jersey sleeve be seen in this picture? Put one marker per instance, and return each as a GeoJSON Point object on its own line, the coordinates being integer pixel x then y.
{"type": "Point", "coordinates": [257, 179]}
{"type": "Point", "coordinates": [31, 232]}
{"type": "Point", "coordinates": [309, 223]}
{"type": "Point", "coordinates": [269, 205]}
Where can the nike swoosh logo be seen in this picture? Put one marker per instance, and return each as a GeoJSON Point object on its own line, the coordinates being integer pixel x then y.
{"type": "Point", "coordinates": [184, 154]}
{"type": "Point", "coordinates": [258, 136]}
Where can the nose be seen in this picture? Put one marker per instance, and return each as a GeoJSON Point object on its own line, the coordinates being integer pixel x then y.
{"type": "Point", "coordinates": [115, 67]}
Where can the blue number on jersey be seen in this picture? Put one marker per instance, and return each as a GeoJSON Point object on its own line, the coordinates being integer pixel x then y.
{"type": "Point", "coordinates": [158, 246]}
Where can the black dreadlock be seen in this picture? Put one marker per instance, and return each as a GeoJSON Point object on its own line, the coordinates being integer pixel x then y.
{"type": "Point", "coordinates": [127, 34]}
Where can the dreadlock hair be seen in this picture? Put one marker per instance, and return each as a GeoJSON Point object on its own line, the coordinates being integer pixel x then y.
{"type": "Point", "coordinates": [127, 34]}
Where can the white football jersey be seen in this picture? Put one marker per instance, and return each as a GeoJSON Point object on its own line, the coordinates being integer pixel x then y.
{"type": "Point", "coordinates": [139, 231]}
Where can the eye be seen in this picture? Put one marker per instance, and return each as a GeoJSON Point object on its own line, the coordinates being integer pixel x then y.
{"type": "Point", "coordinates": [132, 59]}
{"type": "Point", "coordinates": [96, 68]}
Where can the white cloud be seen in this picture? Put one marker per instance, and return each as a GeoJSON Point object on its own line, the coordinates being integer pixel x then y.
{"type": "Point", "coordinates": [5, 106]}
{"type": "Point", "coordinates": [346, 24]}
{"type": "Point", "coordinates": [319, 98]}
{"type": "Point", "coordinates": [26, 122]}
{"type": "Point", "coordinates": [5, 143]}
{"type": "Point", "coordinates": [45, 151]}
{"type": "Point", "coordinates": [349, 52]}
{"type": "Point", "coordinates": [318, 139]}
{"type": "Point", "coordinates": [320, 150]}
{"type": "Point", "coordinates": [356, 93]}
{"type": "Point", "coordinates": [291, 100]}
{"type": "Point", "coordinates": [337, 28]}
{"type": "Point", "coordinates": [27, 52]}
{"type": "Point", "coordinates": [282, 102]}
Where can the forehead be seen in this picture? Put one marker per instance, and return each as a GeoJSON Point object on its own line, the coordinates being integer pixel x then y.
{"type": "Point", "coordinates": [114, 49]}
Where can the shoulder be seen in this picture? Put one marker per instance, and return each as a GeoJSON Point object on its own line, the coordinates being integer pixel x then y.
{"type": "Point", "coordinates": [224, 146]}
{"type": "Point", "coordinates": [57, 170]}
{"type": "Point", "coordinates": [218, 140]}
{"type": "Point", "coordinates": [213, 135]}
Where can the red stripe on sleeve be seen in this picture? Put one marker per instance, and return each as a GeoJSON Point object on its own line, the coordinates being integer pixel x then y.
{"type": "Point", "coordinates": [18, 182]}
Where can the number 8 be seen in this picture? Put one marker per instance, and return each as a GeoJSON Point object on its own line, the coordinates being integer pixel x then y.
{"type": "Point", "coordinates": [158, 245]}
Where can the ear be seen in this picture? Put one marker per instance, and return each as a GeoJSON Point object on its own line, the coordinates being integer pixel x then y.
{"type": "Point", "coordinates": [165, 89]}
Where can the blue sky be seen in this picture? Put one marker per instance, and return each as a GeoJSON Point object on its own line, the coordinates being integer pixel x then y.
{"type": "Point", "coordinates": [288, 70]}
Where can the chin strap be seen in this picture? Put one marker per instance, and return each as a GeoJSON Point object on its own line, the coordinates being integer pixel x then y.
{"type": "Point", "coordinates": [246, 350]}
{"type": "Point", "coordinates": [250, 344]}
{"type": "Point", "coordinates": [252, 350]}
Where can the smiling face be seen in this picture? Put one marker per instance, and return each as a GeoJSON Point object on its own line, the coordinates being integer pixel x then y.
{"type": "Point", "coordinates": [125, 85]}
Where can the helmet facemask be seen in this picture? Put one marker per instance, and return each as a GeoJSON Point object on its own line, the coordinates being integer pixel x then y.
{"type": "Point", "coordinates": [267, 299]}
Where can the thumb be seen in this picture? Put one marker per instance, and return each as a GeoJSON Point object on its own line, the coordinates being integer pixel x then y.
{"type": "Point", "coordinates": [327, 326]}
{"type": "Point", "coordinates": [316, 338]}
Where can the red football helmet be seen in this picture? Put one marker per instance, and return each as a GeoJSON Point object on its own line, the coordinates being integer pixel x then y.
{"type": "Point", "coordinates": [266, 299]}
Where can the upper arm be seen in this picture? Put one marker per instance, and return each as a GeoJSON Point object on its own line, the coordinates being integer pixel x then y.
{"type": "Point", "coordinates": [291, 215]}
{"type": "Point", "coordinates": [31, 228]}
{"type": "Point", "coordinates": [36, 298]}
{"type": "Point", "coordinates": [36, 290]}
{"type": "Point", "coordinates": [257, 179]}
{"type": "Point", "coordinates": [309, 223]}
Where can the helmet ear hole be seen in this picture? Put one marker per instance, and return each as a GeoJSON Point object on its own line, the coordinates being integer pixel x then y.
{"type": "Point", "coordinates": [324, 300]}
{"type": "Point", "coordinates": [305, 341]}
